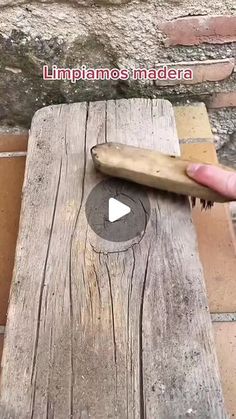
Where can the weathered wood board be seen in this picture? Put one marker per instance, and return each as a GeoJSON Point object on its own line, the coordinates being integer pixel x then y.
{"type": "Point", "coordinates": [99, 329]}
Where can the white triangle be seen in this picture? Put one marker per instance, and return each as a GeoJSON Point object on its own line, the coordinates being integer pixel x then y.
{"type": "Point", "coordinates": [117, 210]}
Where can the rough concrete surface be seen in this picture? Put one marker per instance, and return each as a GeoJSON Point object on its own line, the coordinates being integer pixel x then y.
{"type": "Point", "coordinates": [223, 123]}
{"type": "Point", "coordinates": [70, 33]}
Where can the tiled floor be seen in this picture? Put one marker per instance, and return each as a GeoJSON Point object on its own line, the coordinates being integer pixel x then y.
{"type": "Point", "coordinates": [225, 338]}
{"type": "Point", "coordinates": [217, 244]}
{"type": "Point", "coordinates": [11, 179]}
{"type": "Point", "coordinates": [216, 241]}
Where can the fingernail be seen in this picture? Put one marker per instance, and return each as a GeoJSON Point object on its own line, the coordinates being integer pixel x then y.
{"type": "Point", "coordinates": [192, 168]}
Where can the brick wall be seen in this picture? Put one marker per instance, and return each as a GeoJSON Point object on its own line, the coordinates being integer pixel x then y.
{"type": "Point", "coordinates": [209, 42]}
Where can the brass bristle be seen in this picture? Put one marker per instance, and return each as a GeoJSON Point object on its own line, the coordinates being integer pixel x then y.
{"type": "Point", "coordinates": [193, 201]}
{"type": "Point", "coordinates": [204, 204]}
{"type": "Point", "coordinates": [209, 204]}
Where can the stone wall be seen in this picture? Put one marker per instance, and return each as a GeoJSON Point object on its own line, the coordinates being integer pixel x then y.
{"type": "Point", "coordinates": [115, 33]}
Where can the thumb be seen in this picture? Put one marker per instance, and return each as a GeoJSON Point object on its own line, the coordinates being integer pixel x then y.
{"type": "Point", "coordinates": [222, 181]}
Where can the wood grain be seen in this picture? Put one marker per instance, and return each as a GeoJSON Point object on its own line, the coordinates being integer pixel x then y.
{"type": "Point", "coordinates": [98, 329]}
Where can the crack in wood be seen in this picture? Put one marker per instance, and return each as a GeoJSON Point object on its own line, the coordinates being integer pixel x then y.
{"type": "Point", "coordinates": [129, 341]}
{"type": "Point", "coordinates": [112, 314]}
{"type": "Point", "coordinates": [141, 371]}
{"type": "Point", "coordinates": [97, 284]}
{"type": "Point", "coordinates": [44, 275]}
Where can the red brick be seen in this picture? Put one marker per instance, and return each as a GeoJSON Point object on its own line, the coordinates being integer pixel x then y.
{"type": "Point", "coordinates": [210, 70]}
{"type": "Point", "coordinates": [200, 29]}
{"type": "Point", "coordinates": [222, 100]}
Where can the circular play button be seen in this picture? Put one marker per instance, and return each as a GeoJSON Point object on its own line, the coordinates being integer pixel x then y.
{"type": "Point", "coordinates": [117, 210]}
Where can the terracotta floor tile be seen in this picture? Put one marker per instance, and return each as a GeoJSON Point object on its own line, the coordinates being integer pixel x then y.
{"type": "Point", "coordinates": [11, 179]}
{"type": "Point", "coordinates": [225, 338]}
{"type": "Point", "coordinates": [218, 255]}
{"type": "Point", "coordinates": [216, 242]}
{"type": "Point", "coordinates": [13, 142]}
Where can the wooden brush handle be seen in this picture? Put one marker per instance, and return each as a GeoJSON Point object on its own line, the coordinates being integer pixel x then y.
{"type": "Point", "coordinates": [151, 168]}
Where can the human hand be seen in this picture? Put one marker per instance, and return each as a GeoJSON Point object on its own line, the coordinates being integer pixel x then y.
{"type": "Point", "coordinates": [216, 178]}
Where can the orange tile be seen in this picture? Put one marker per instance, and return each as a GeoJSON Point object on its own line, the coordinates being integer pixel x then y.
{"type": "Point", "coordinates": [225, 338]}
{"type": "Point", "coordinates": [218, 254]}
{"type": "Point", "coordinates": [13, 142]}
{"type": "Point", "coordinates": [216, 242]}
{"type": "Point", "coordinates": [11, 179]}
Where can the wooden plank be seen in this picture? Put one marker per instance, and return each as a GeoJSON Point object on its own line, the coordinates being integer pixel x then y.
{"type": "Point", "coordinates": [98, 329]}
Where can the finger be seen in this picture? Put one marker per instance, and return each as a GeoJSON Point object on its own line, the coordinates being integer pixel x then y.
{"type": "Point", "coordinates": [215, 178]}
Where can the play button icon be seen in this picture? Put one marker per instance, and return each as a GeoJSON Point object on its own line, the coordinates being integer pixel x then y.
{"type": "Point", "coordinates": [117, 210]}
